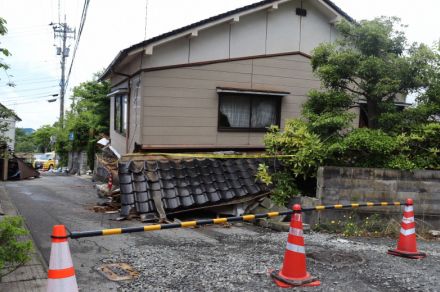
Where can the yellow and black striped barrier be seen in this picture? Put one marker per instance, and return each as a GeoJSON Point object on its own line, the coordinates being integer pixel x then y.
{"type": "Point", "coordinates": [249, 217]}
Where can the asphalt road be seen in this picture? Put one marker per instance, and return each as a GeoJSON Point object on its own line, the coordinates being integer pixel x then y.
{"type": "Point", "coordinates": [211, 258]}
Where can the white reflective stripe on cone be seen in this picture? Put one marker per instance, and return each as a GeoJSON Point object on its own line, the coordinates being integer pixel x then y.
{"type": "Point", "coordinates": [409, 208]}
{"type": "Point", "coordinates": [295, 248]}
{"type": "Point", "coordinates": [296, 231]}
{"type": "Point", "coordinates": [408, 220]}
{"type": "Point", "coordinates": [62, 285]}
{"type": "Point", "coordinates": [60, 256]}
{"type": "Point", "coordinates": [407, 232]}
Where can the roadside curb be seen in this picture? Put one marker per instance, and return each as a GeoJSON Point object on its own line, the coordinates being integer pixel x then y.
{"type": "Point", "coordinates": [33, 275]}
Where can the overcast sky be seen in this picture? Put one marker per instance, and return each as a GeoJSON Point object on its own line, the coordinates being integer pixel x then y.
{"type": "Point", "coordinates": [113, 25]}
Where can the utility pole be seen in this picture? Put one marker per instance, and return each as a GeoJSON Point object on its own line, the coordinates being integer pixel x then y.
{"type": "Point", "coordinates": [64, 32]}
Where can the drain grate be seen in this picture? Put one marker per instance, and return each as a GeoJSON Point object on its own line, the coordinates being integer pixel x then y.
{"type": "Point", "coordinates": [118, 272]}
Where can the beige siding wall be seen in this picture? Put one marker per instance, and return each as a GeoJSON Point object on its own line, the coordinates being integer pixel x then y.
{"type": "Point", "coordinates": [117, 140]}
{"type": "Point", "coordinates": [180, 106]}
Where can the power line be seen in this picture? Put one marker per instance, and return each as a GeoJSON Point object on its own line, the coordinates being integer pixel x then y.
{"type": "Point", "coordinates": [36, 99]}
{"type": "Point", "coordinates": [80, 30]}
{"type": "Point", "coordinates": [27, 96]}
{"type": "Point", "coordinates": [34, 89]}
{"type": "Point", "coordinates": [26, 83]}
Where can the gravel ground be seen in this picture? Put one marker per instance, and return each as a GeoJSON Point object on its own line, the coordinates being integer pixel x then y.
{"type": "Point", "coordinates": [238, 258]}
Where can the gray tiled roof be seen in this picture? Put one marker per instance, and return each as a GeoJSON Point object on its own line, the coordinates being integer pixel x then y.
{"type": "Point", "coordinates": [186, 184]}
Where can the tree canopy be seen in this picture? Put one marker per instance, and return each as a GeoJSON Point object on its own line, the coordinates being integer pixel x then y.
{"type": "Point", "coordinates": [372, 64]}
{"type": "Point", "coordinates": [372, 61]}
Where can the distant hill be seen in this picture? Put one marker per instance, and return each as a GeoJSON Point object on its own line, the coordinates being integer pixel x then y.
{"type": "Point", "coordinates": [28, 131]}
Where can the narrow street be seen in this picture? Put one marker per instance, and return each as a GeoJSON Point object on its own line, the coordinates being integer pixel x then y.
{"type": "Point", "coordinates": [211, 258]}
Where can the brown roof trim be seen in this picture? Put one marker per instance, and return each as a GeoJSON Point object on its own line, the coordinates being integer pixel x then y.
{"type": "Point", "coordinates": [251, 90]}
{"type": "Point", "coordinates": [122, 54]}
{"type": "Point", "coordinates": [195, 64]}
{"type": "Point", "coordinates": [195, 148]}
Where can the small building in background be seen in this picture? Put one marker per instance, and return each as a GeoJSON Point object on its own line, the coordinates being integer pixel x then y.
{"type": "Point", "coordinates": [7, 127]}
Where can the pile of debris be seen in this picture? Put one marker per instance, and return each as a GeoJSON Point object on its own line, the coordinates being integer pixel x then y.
{"type": "Point", "coordinates": [155, 187]}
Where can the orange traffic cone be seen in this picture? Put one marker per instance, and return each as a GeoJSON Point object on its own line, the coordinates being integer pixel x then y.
{"type": "Point", "coordinates": [61, 274]}
{"type": "Point", "coordinates": [407, 245]}
{"type": "Point", "coordinates": [294, 271]}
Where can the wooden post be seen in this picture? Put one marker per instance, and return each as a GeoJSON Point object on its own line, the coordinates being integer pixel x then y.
{"type": "Point", "coordinates": [5, 164]}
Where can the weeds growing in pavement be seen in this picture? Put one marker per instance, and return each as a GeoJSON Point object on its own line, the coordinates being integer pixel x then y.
{"type": "Point", "coordinates": [353, 225]}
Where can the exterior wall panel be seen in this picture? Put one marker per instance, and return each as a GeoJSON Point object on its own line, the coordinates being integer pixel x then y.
{"type": "Point", "coordinates": [248, 36]}
{"type": "Point", "coordinates": [210, 44]}
{"type": "Point", "coordinates": [182, 102]}
{"type": "Point", "coordinates": [117, 140]}
{"type": "Point", "coordinates": [315, 29]}
{"type": "Point", "coordinates": [283, 29]}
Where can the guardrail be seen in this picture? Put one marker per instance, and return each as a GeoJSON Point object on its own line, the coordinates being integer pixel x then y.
{"type": "Point", "coordinates": [249, 217]}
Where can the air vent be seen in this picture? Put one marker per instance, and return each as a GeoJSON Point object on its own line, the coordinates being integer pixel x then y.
{"type": "Point", "coordinates": [301, 12]}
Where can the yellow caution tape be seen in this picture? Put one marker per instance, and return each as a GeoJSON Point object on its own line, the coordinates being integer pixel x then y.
{"type": "Point", "coordinates": [208, 155]}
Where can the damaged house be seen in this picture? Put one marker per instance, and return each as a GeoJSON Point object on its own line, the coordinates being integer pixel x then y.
{"type": "Point", "coordinates": [214, 85]}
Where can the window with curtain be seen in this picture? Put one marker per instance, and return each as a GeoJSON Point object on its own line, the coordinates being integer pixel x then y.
{"type": "Point", "coordinates": [121, 111]}
{"type": "Point", "coordinates": [248, 112]}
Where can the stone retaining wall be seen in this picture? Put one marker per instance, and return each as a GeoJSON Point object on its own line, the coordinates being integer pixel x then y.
{"type": "Point", "coordinates": [347, 184]}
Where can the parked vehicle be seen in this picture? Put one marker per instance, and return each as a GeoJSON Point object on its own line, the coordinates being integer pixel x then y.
{"type": "Point", "coordinates": [45, 161]}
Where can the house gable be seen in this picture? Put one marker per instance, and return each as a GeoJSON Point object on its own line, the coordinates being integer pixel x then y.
{"type": "Point", "coordinates": [266, 27]}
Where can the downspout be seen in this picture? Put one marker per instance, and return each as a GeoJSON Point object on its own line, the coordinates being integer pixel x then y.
{"type": "Point", "coordinates": [127, 134]}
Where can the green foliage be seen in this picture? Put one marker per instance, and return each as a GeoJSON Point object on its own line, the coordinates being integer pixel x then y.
{"type": "Point", "coordinates": [285, 189]}
{"type": "Point", "coordinates": [88, 118]}
{"type": "Point", "coordinates": [24, 142]}
{"type": "Point", "coordinates": [14, 251]}
{"type": "Point", "coordinates": [305, 153]}
{"type": "Point", "coordinates": [42, 138]}
{"type": "Point", "coordinates": [351, 225]}
{"type": "Point", "coordinates": [305, 148]}
{"type": "Point", "coordinates": [327, 112]}
{"type": "Point", "coordinates": [371, 61]}
{"type": "Point", "coordinates": [3, 51]}
{"type": "Point", "coordinates": [363, 148]}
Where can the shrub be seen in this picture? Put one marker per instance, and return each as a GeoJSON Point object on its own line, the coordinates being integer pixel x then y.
{"type": "Point", "coordinates": [14, 251]}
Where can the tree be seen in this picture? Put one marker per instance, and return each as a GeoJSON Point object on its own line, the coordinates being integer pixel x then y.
{"type": "Point", "coordinates": [3, 51]}
{"type": "Point", "coordinates": [43, 138]}
{"type": "Point", "coordinates": [372, 61]}
{"type": "Point", "coordinates": [88, 119]}
{"type": "Point", "coordinates": [24, 142]}
{"type": "Point", "coordinates": [4, 112]}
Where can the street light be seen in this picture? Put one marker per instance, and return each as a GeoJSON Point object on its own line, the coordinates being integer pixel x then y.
{"type": "Point", "coordinates": [53, 99]}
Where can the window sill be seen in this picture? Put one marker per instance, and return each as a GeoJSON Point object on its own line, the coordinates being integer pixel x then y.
{"type": "Point", "coordinates": [245, 130]}
{"type": "Point", "coordinates": [120, 133]}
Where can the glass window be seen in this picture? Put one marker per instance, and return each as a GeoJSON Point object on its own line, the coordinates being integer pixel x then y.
{"type": "Point", "coordinates": [121, 111]}
{"type": "Point", "coordinates": [248, 112]}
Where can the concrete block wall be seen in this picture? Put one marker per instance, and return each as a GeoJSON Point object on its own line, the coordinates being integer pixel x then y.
{"type": "Point", "coordinates": [346, 184]}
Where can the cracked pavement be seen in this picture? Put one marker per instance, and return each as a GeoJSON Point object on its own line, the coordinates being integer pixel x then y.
{"type": "Point", "coordinates": [210, 258]}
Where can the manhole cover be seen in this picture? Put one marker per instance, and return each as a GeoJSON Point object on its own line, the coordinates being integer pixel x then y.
{"type": "Point", "coordinates": [118, 271]}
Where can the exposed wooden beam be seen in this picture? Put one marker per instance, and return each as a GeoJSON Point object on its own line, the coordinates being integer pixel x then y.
{"type": "Point", "coordinates": [149, 50]}
{"type": "Point", "coordinates": [193, 34]}
{"type": "Point", "coordinates": [236, 19]}
{"type": "Point", "coordinates": [273, 7]}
